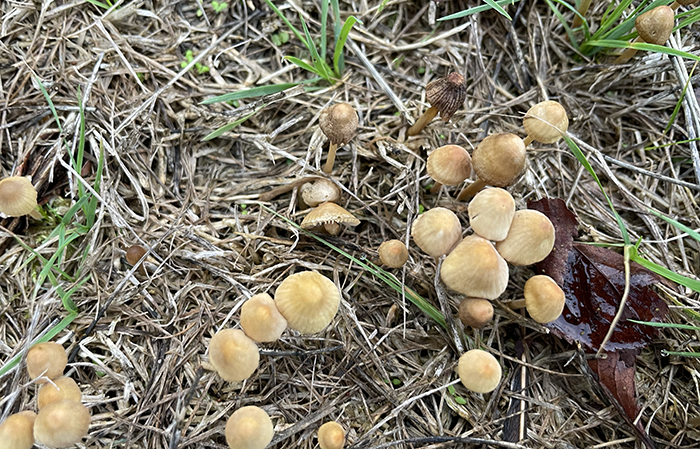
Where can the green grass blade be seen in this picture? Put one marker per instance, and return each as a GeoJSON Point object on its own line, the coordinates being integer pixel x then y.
{"type": "Point", "coordinates": [250, 93]}
{"type": "Point", "coordinates": [668, 274]}
{"type": "Point", "coordinates": [677, 108]}
{"type": "Point", "coordinates": [230, 126]}
{"type": "Point", "coordinates": [288, 23]}
{"type": "Point", "coordinates": [687, 18]}
{"type": "Point", "coordinates": [476, 9]}
{"type": "Point", "coordinates": [47, 97]}
{"type": "Point", "coordinates": [644, 46]}
{"type": "Point", "coordinates": [98, 3]}
{"type": "Point", "coordinates": [668, 325]}
{"type": "Point", "coordinates": [324, 24]}
{"type": "Point", "coordinates": [318, 63]}
{"type": "Point", "coordinates": [682, 354]}
{"type": "Point", "coordinates": [694, 234]}
{"type": "Point", "coordinates": [340, 44]}
{"type": "Point", "coordinates": [304, 65]}
{"type": "Point", "coordinates": [564, 22]}
{"type": "Point", "coordinates": [498, 9]}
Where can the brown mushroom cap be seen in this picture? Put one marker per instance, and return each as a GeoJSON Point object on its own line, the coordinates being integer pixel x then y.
{"type": "Point", "coordinates": [49, 359]}
{"type": "Point", "coordinates": [60, 389]}
{"type": "Point", "coordinates": [233, 355]}
{"type": "Point", "coordinates": [449, 165]}
{"type": "Point", "coordinates": [474, 268]}
{"type": "Point", "coordinates": [17, 431]}
{"type": "Point", "coordinates": [393, 253]}
{"type": "Point", "coordinates": [447, 94]}
{"type": "Point", "coordinates": [62, 424]}
{"type": "Point", "coordinates": [321, 191]}
{"type": "Point", "coordinates": [479, 371]}
{"type": "Point", "coordinates": [134, 253]}
{"type": "Point", "coordinates": [261, 320]}
{"type": "Point", "coordinates": [655, 26]}
{"type": "Point", "coordinates": [17, 196]}
{"type": "Point", "coordinates": [308, 300]}
{"type": "Point", "coordinates": [530, 238]}
{"type": "Point", "coordinates": [475, 312]}
{"type": "Point", "coordinates": [331, 435]}
{"type": "Point", "coordinates": [436, 231]}
{"type": "Point", "coordinates": [544, 299]}
{"type": "Point", "coordinates": [546, 122]}
{"type": "Point", "coordinates": [491, 213]}
{"type": "Point", "coordinates": [249, 428]}
{"type": "Point", "coordinates": [499, 159]}
{"type": "Point", "coordinates": [338, 123]}
{"type": "Point", "coordinates": [329, 214]}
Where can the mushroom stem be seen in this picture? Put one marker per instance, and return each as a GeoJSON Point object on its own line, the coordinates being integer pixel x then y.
{"type": "Point", "coordinates": [436, 187]}
{"type": "Point", "coordinates": [528, 140]}
{"type": "Point", "coordinates": [277, 191]}
{"type": "Point", "coordinates": [331, 158]}
{"type": "Point", "coordinates": [582, 9]}
{"type": "Point", "coordinates": [422, 121]}
{"type": "Point", "coordinates": [628, 53]}
{"type": "Point", "coordinates": [471, 190]}
{"type": "Point", "coordinates": [517, 304]}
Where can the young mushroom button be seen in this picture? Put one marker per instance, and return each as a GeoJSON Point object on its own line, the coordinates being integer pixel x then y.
{"type": "Point", "coordinates": [339, 123]}
{"type": "Point", "coordinates": [479, 371]}
{"type": "Point", "coordinates": [62, 424]}
{"type": "Point", "coordinates": [321, 191]}
{"type": "Point", "coordinates": [261, 320]}
{"type": "Point", "coordinates": [233, 355]}
{"type": "Point", "coordinates": [249, 428]}
{"type": "Point", "coordinates": [475, 269]}
{"type": "Point", "coordinates": [545, 122]}
{"type": "Point", "coordinates": [46, 359]}
{"type": "Point", "coordinates": [17, 431]}
{"type": "Point", "coordinates": [393, 253]}
{"type": "Point", "coordinates": [445, 96]}
{"type": "Point", "coordinates": [544, 299]}
{"type": "Point", "coordinates": [475, 312]}
{"type": "Point", "coordinates": [331, 435]}
{"type": "Point", "coordinates": [308, 301]}
{"type": "Point", "coordinates": [58, 390]}
{"type": "Point", "coordinates": [436, 231]}
{"type": "Point", "coordinates": [17, 196]}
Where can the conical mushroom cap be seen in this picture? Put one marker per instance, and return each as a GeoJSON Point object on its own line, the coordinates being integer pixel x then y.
{"type": "Point", "coordinates": [544, 299]}
{"type": "Point", "coordinates": [328, 213]}
{"type": "Point", "coordinates": [447, 94]}
{"type": "Point", "coordinates": [436, 231]}
{"type": "Point", "coordinates": [499, 159]}
{"type": "Point", "coordinates": [655, 26]}
{"type": "Point", "coordinates": [249, 428]}
{"type": "Point", "coordinates": [17, 196]}
{"type": "Point", "coordinates": [338, 123]}
{"type": "Point", "coordinates": [474, 268]}
{"type": "Point", "coordinates": [449, 165]}
{"type": "Point", "coordinates": [479, 371]}
{"type": "Point", "coordinates": [491, 213]}
{"type": "Point", "coordinates": [530, 238]}
{"type": "Point", "coordinates": [546, 121]}
{"type": "Point", "coordinates": [308, 301]}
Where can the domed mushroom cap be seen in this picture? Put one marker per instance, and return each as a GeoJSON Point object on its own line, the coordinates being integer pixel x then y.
{"type": "Point", "coordinates": [17, 196]}
{"type": "Point", "coordinates": [474, 268]}
{"type": "Point", "coordinates": [308, 300]}
{"type": "Point", "coordinates": [62, 424]}
{"type": "Point", "coordinates": [530, 238]}
{"type": "Point", "coordinates": [261, 320]}
{"type": "Point", "coordinates": [447, 94]}
{"type": "Point", "coordinates": [475, 312]}
{"type": "Point", "coordinates": [655, 26]}
{"type": "Point", "coordinates": [546, 122]}
{"type": "Point", "coordinates": [61, 388]}
{"type": "Point", "coordinates": [499, 159]}
{"type": "Point", "coordinates": [17, 431]}
{"type": "Point", "coordinates": [233, 355]}
{"type": "Point", "coordinates": [49, 359]}
{"type": "Point", "coordinates": [491, 213]}
{"type": "Point", "coordinates": [321, 191]}
{"type": "Point", "coordinates": [134, 253]}
{"type": "Point", "coordinates": [393, 253]}
{"type": "Point", "coordinates": [479, 371]}
{"type": "Point", "coordinates": [329, 214]}
{"type": "Point", "coordinates": [544, 299]}
{"type": "Point", "coordinates": [436, 231]}
{"type": "Point", "coordinates": [338, 123]}
{"type": "Point", "coordinates": [449, 165]}
{"type": "Point", "coordinates": [331, 435]}
{"type": "Point", "coordinates": [249, 428]}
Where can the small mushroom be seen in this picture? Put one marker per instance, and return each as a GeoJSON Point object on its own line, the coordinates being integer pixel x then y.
{"type": "Point", "coordinates": [331, 435]}
{"type": "Point", "coordinates": [249, 428]}
{"type": "Point", "coordinates": [62, 424]}
{"type": "Point", "coordinates": [17, 196]}
{"type": "Point", "coordinates": [475, 269]}
{"type": "Point", "coordinates": [491, 213]}
{"type": "Point", "coordinates": [47, 360]}
{"type": "Point", "coordinates": [321, 191]}
{"type": "Point", "coordinates": [330, 216]}
{"type": "Point", "coordinates": [475, 312]}
{"type": "Point", "coordinates": [544, 299]}
{"type": "Point", "coordinates": [338, 123]}
{"type": "Point", "coordinates": [445, 96]}
{"type": "Point", "coordinates": [545, 122]}
{"type": "Point", "coordinates": [436, 231]}
{"type": "Point", "coordinates": [17, 431]}
{"type": "Point", "coordinates": [479, 371]}
{"type": "Point", "coordinates": [58, 390]}
{"type": "Point", "coordinates": [448, 165]}
{"type": "Point", "coordinates": [308, 301]}
{"type": "Point", "coordinates": [233, 355]}
{"type": "Point", "coordinates": [530, 238]}
{"type": "Point", "coordinates": [654, 27]}
{"type": "Point", "coordinates": [393, 253]}
{"type": "Point", "coordinates": [261, 320]}
{"type": "Point", "coordinates": [678, 3]}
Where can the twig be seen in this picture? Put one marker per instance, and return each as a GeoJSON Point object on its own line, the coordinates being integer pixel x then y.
{"type": "Point", "coordinates": [650, 173]}
{"type": "Point", "coordinates": [435, 440]}
{"type": "Point", "coordinates": [623, 301]}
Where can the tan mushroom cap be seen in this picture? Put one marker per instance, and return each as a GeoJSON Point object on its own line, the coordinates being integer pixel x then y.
{"type": "Point", "coordinates": [49, 359]}
{"type": "Point", "coordinates": [233, 355]}
{"type": "Point", "coordinates": [474, 268]}
{"type": "Point", "coordinates": [17, 196]}
{"type": "Point", "coordinates": [339, 123]}
{"type": "Point", "coordinates": [479, 371]}
{"type": "Point", "coordinates": [62, 424]}
{"type": "Point", "coordinates": [530, 238]}
{"type": "Point", "coordinates": [261, 320]}
{"type": "Point", "coordinates": [393, 253]}
{"type": "Point", "coordinates": [331, 435]}
{"type": "Point", "coordinates": [655, 26]}
{"type": "Point", "coordinates": [499, 159]}
{"type": "Point", "coordinates": [321, 191]}
{"type": "Point", "coordinates": [475, 312]}
{"type": "Point", "coordinates": [249, 428]}
{"type": "Point", "coordinates": [447, 94]}
{"type": "Point", "coordinates": [329, 214]}
{"type": "Point", "coordinates": [436, 231]}
{"type": "Point", "coordinates": [61, 388]}
{"type": "Point", "coordinates": [449, 165]}
{"type": "Point", "coordinates": [17, 431]}
{"type": "Point", "coordinates": [308, 300]}
{"type": "Point", "coordinates": [544, 299]}
{"type": "Point", "coordinates": [546, 122]}
{"type": "Point", "coordinates": [491, 213]}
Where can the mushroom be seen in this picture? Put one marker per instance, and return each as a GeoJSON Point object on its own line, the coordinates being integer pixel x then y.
{"type": "Point", "coordinates": [261, 320]}
{"type": "Point", "coordinates": [47, 360]}
{"type": "Point", "coordinates": [233, 355]}
{"type": "Point", "coordinates": [491, 213]}
{"type": "Point", "coordinates": [475, 312]}
{"type": "Point", "coordinates": [654, 27]}
{"type": "Point", "coordinates": [134, 253]}
{"type": "Point", "coordinates": [498, 161]}
{"type": "Point", "coordinates": [448, 165]}
{"type": "Point", "coordinates": [331, 435]}
{"type": "Point", "coordinates": [436, 231]}
{"type": "Point", "coordinates": [393, 253]}
{"type": "Point", "coordinates": [678, 3]}
{"type": "Point", "coordinates": [308, 301]}
{"type": "Point", "coordinates": [338, 123]}
{"type": "Point", "coordinates": [58, 390]}
{"type": "Point", "coordinates": [321, 191]}
{"type": "Point", "coordinates": [17, 196]}
{"type": "Point", "coordinates": [545, 122]}
{"type": "Point", "coordinates": [249, 428]}
{"type": "Point", "coordinates": [530, 238]}
{"type": "Point", "coordinates": [330, 216]}
{"type": "Point", "coordinates": [17, 431]}
{"type": "Point", "coordinates": [479, 371]}
{"type": "Point", "coordinates": [62, 424]}
{"type": "Point", "coordinates": [544, 299]}
{"type": "Point", "coordinates": [474, 268]}
{"type": "Point", "coordinates": [445, 96]}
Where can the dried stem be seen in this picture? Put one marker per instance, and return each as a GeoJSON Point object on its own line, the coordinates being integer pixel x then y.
{"type": "Point", "coordinates": [422, 121]}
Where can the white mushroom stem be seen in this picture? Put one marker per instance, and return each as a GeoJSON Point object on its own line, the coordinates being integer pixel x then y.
{"type": "Point", "coordinates": [471, 190]}
{"type": "Point", "coordinates": [328, 168]}
{"type": "Point", "coordinates": [424, 119]}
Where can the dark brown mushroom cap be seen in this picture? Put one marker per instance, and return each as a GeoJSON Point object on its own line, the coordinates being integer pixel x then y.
{"type": "Point", "coordinates": [134, 253]}
{"type": "Point", "coordinates": [499, 159]}
{"type": "Point", "coordinates": [447, 94]}
{"type": "Point", "coordinates": [338, 123]}
{"type": "Point", "coordinates": [655, 25]}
